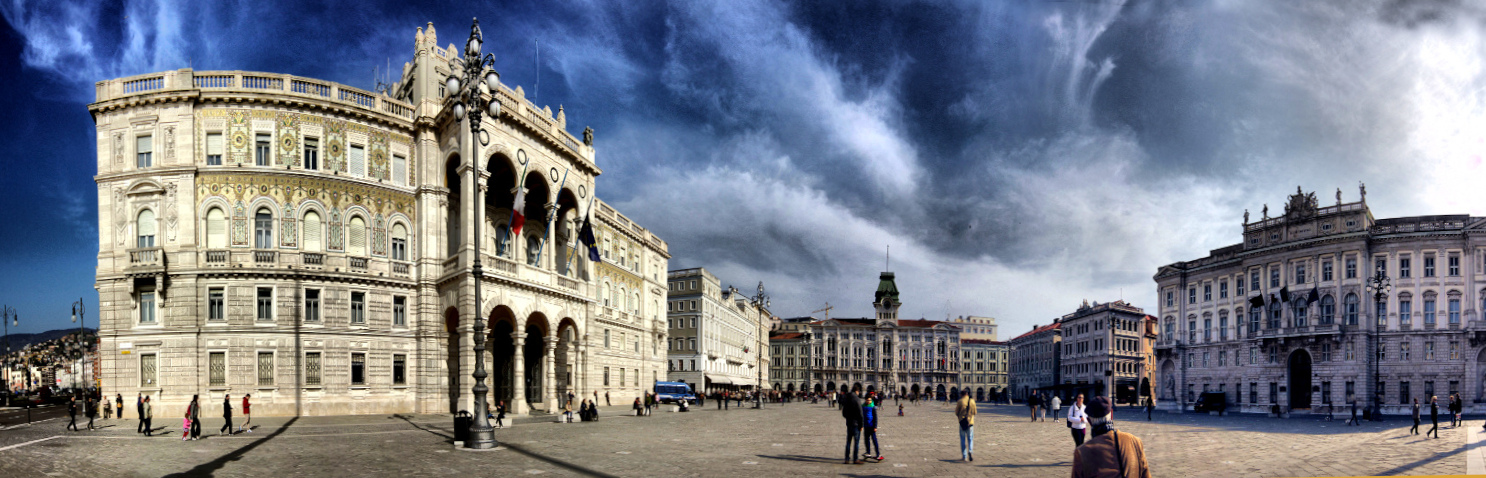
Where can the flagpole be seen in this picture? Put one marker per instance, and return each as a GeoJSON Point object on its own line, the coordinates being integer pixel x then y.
{"type": "Point", "coordinates": [551, 217]}
{"type": "Point", "coordinates": [510, 222]}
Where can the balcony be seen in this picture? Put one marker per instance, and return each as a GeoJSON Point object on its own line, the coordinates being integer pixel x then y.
{"type": "Point", "coordinates": [399, 269]}
{"type": "Point", "coordinates": [358, 263]}
{"type": "Point", "coordinates": [146, 258]}
{"type": "Point", "coordinates": [252, 82]}
{"type": "Point", "coordinates": [313, 259]}
{"type": "Point", "coordinates": [265, 257]}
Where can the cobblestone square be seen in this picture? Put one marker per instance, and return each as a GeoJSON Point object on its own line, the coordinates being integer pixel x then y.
{"type": "Point", "coordinates": [794, 439]}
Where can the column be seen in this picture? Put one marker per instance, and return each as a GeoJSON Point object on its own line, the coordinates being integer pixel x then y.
{"type": "Point", "coordinates": [580, 369]}
{"type": "Point", "coordinates": [549, 262]}
{"type": "Point", "coordinates": [549, 368]}
{"type": "Point", "coordinates": [518, 375]}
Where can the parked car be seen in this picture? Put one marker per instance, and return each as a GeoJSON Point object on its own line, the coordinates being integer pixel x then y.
{"type": "Point", "coordinates": [1211, 402]}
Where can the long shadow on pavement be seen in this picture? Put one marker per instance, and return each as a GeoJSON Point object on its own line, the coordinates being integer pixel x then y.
{"type": "Point", "coordinates": [208, 468]}
{"type": "Point", "coordinates": [518, 449]}
{"type": "Point", "coordinates": [1401, 469]}
{"type": "Point", "coordinates": [807, 459]}
{"type": "Point", "coordinates": [449, 438]}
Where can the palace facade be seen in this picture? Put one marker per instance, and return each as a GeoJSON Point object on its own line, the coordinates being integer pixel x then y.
{"type": "Point", "coordinates": [312, 244]}
{"type": "Point", "coordinates": [1292, 316]}
{"type": "Point", "coordinates": [717, 334]}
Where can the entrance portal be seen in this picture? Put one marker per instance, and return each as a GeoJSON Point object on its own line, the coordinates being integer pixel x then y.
{"type": "Point", "coordinates": [1300, 380]}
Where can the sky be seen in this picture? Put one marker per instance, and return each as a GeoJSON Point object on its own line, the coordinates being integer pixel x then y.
{"type": "Point", "coordinates": [1017, 157]}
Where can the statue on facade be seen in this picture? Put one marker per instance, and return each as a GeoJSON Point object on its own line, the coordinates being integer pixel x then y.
{"type": "Point", "coordinates": [1338, 196]}
{"type": "Point", "coordinates": [1266, 211]}
{"type": "Point", "coordinates": [588, 135]}
{"type": "Point", "coordinates": [1245, 216]}
{"type": "Point", "coordinates": [1362, 188]}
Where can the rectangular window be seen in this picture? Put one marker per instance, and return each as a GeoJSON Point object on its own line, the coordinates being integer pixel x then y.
{"type": "Point", "coordinates": [399, 311]}
{"type": "Point", "coordinates": [1223, 290]}
{"type": "Point", "coordinates": [1454, 308]}
{"type": "Point", "coordinates": [215, 300]}
{"type": "Point", "coordinates": [265, 369]}
{"type": "Point", "coordinates": [1192, 295]}
{"type": "Point", "coordinates": [1382, 351]}
{"type": "Point", "coordinates": [1454, 264]}
{"type": "Point", "coordinates": [1405, 267]}
{"type": "Point", "coordinates": [621, 377]}
{"type": "Point", "coordinates": [1429, 265]}
{"type": "Point", "coordinates": [358, 369]}
{"type": "Point", "coordinates": [1454, 350]}
{"type": "Point", "coordinates": [1405, 312]}
{"type": "Point", "coordinates": [1300, 273]}
{"type": "Point", "coordinates": [1238, 286]}
{"type": "Point", "coordinates": [147, 306]}
{"type": "Point", "coordinates": [214, 149]}
{"type": "Point", "coordinates": [1428, 312]}
{"type": "Point", "coordinates": [1351, 391]}
{"type": "Point", "coordinates": [1403, 351]}
{"type": "Point", "coordinates": [399, 370]}
{"type": "Point", "coordinates": [1428, 390]}
{"type": "Point", "coordinates": [358, 307]}
{"type": "Point", "coordinates": [1326, 270]}
{"type": "Point", "coordinates": [147, 370]}
{"type": "Point", "coordinates": [1381, 307]}
{"type": "Point", "coordinates": [312, 368]}
{"type": "Point", "coordinates": [1325, 352]}
{"type": "Point", "coordinates": [399, 248]}
{"type": "Point", "coordinates": [606, 375]}
{"type": "Point", "coordinates": [1253, 392]}
{"type": "Point", "coordinates": [143, 146]}
{"type": "Point", "coordinates": [1428, 350]}
{"type": "Point", "coordinates": [261, 149]}
{"type": "Point", "coordinates": [1403, 392]}
{"type": "Point", "coordinates": [1274, 392]}
{"type": "Point", "coordinates": [265, 303]}
{"type": "Point", "coordinates": [312, 154]}
{"type": "Point", "coordinates": [1207, 292]}
{"type": "Point", "coordinates": [1350, 354]}
{"type": "Point", "coordinates": [399, 170]}
{"type": "Point", "coordinates": [606, 338]}
{"type": "Point", "coordinates": [1169, 298]}
{"type": "Point", "coordinates": [1380, 266]}
{"type": "Point", "coordinates": [1274, 277]}
{"type": "Point", "coordinates": [1326, 393]}
{"type": "Point", "coordinates": [358, 161]}
{"type": "Point", "coordinates": [217, 368]}
{"type": "Point", "coordinates": [1254, 280]}
{"type": "Point", "coordinates": [312, 305]}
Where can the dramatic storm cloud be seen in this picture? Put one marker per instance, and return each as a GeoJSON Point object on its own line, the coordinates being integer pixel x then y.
{"type": "Point", "coordinates": [1018, 157]}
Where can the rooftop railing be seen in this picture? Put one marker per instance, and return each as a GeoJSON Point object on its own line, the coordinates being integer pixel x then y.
{"type": "Point", "coordinates": [186, 79]}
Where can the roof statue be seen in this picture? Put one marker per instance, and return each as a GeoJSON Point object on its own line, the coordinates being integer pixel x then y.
{"type": "Point", "coordinates": [1245, 216]}
{"type": "Point", "coordinates": [1301, 205]}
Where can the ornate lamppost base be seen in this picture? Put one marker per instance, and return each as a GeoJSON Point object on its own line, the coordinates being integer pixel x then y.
{"type": "Point", "coordinates": [481, 439]}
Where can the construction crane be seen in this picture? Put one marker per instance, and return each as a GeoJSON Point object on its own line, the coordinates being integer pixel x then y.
{"type": "Point", "coordinates": [827, 310]}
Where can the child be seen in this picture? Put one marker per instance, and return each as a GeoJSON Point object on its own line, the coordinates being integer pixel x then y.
{"type": "Point", "coordinates": [900, 409]}
{"type": "Point", "coordinates": [869, 425]}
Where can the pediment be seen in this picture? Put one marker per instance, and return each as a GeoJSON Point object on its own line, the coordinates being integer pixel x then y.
{"type": "Point", "coordinates": [145, 187]}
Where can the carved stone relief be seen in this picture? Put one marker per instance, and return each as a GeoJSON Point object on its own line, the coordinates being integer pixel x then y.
{"type": "Point", "coordinates": [172, 215]}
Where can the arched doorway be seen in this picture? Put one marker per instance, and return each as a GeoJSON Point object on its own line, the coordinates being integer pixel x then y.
{"type": "Point", "coordinates": [534, 356]}
{"type": "Point", "coordinates": [502, 363]}
{"type": "Point", "coordinates": [939, 392]}
{"type": "Point", "coordinates": [790, 388]}
{"type": "Point", "coordinates": [1300, 380]}
{"type": "Point", "coordinates": [871, 388]}
{"type": "Point", "coordinates": [916, 390]}
{"type": "Point", "coordinates": [980, 394]}
{"type": "Point", "coordinates": [902, 391]}
{"type": "Point", "coordinates": [954, 393]}
{"type": "Point", "coordinates": [831, 386]}
{"type": "Point", "coordinates": [565, 360]}
{"type": "Point", "coordinates": [817, 388]}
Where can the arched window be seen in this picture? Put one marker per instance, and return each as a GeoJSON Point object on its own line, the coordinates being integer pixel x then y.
{"type": "Point", "coordinates": [216, 229]}
{"type": "Point", "coordinates": [312, 230]}
{"type": "Point", "coordinates": [635, 307]}
{"type": "Point", "coordinates": [263, 229]}
{"type": "Point", "coordinates": [1328, 309]}
{"type": "Point", "coordinates": [144, 228]}
{"type": "Point", "coordinates": [533, 248]}
{"type": "Point", "coordinates": [618, 292]}
{"type": "Point", "coordinates": [503, 241]}
{"type": "Point", "coordinates": [604, 293]}
{"type": "Point", "coordinates": [357, 246]}
{"type": "Point", "coordinates": [1349, 309]}
{"type": "Point", "coordinates": [399, 242]}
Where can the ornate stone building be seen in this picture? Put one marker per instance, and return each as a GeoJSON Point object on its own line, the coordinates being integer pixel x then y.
{"type": "Point", "coordinates": [1287, 317]}
{"type": "Point", "coordinates": [717, 334]}
{"type": "Point", "coordinates": [1106, 345]}
{"type": "Point", "coordinates": [984, 368]}
{"type": "Point", "coordinates": [1035, 360]}
{"type": "Point", "coordinates": [311, 244]}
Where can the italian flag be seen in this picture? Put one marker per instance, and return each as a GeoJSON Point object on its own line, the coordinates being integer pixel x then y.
{"type": "Point", "coordinates": [517, 219]}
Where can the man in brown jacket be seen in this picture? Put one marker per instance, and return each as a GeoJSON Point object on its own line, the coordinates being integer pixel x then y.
{"type": "Point", "coordinates": [1110, 453]}
{"type": "Point", "coordinates": [965, 411]}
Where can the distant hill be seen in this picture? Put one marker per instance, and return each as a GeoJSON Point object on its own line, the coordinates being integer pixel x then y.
{"type": "Point", "coordinates": [19, 341]}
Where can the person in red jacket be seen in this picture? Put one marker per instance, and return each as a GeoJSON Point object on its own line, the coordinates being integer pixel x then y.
{"type": "Point", "coordinates": [247, 415]}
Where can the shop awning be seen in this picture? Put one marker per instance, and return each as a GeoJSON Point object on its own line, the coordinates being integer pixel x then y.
{"type": "Point", "coordinates": [719, 380]}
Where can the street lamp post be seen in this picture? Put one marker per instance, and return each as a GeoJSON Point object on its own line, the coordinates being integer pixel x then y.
{"type": "Point", "coordinates": [1379, 286]}
{"type": "Point", "coordinates": [79, 315]}
{"type": "Point", "coordinates": [9, 317]}
{"type": "Point", "coordinates": [467, 99]}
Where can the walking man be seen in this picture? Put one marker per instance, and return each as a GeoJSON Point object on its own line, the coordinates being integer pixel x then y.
{"type": "Point", "coordinates": [1415, 430]}
{"type": "Point", "coordinates": [139, 408]}
{"type": "Point", "coordinates": [1032, 405]}
{"type": "Point", "coordinates": [965, 411]}
{"type": "Point", "coordinates": [1056, 404]}
{"type": "Point", "coordinates": [91, 411]}
{"type": "Point", "coordinates": [1456, 406]}
{"type": "Point", "coordinates": [1354, 414]}
{"type": "Point", "coordinates": [226, 415]}
{"type": "Point", "coordinates": [1110, 452]}
{"type": "Point", "coordinates": [72, 414]}
{"type": "Point", "coordinates": [606, 399]}
{"type": "Point", "coordinates": [1434, 416]}
{"type": "Point", "coordinates": [248, 415]}
{"type": "Point", "coordinates": [851, 410]}
{"type": "Point", "coordinates": [147, 414]}
{"type": "Point", "coordinates": [1150, 406]}
{"type": "Point", "coordinates": [195, 417]}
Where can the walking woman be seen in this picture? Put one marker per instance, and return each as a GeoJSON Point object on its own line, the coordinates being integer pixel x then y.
{"type": "Point", "coordinates": [186, 422]}
{"type": "Point", "coordinates": [1434, 416]}
{"type": "Point", "coordinates": [1415, 430]}
{"type": "Point", "coordinates": [1078, 421]}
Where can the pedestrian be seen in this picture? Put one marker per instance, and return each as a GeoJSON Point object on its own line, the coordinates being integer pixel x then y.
{"type": "Point", "coordinates": [1354, 414]}
{"type": "Point", "coordinates": [195, 417]}
{"type": "Point", "coordinates": [108, 409]}
{"type": "Point", "coordinates": [500, 412]}
{"type": "Point", "coordinates": [900, 409]}
{"type": "Point", "coordinates": [570, 398]}
{"type": "Point", "coordinates": [226, 415]}
{"type": "Point", "coordinates": [1109, 452]}
{"type": "Point", "coordinates": [90, 411]}
{"type": "Point", "coordinates": [639, 408]}
{"type": "Point", "coordinates": [851, 410]}
{"type": "Point", "coordinates": [72, 414]}
{"type": "Point", "coordinates": [1056, 404]}
{"type": "Point", "coordinates": [120, 405]}
{"type": "Point", "coordinates": [147, 414]}
{"type": "Point", "coordinates": [1032, 405]}
{"type": "Point", "coordinates": [1434, 416]}
{"type": "Point", "coordinates": [869, 429]}
{"type": "Point", "coordinates": [139, 409]}
{"type": "Point", "coordinates": [248, 414]}
{"type": "Point", "coordinates": [1456, 406]}
{"type": "Point", "coordinates": [186, 421]}
{"type": "Point", "coordinates": [607, 403]}
{"type": "Point", "coordinates": [1078, 420]}
{"type": "Point", "coordinates": [717, 397]}
{"type": "Point", "coordinates": [1415, 430]}
{"type": "Point", "coordinates": [965, 411]}
{"type": "Point", "coordinates": [1150, 407]}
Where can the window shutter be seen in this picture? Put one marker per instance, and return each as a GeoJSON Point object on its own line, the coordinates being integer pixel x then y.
{"type": "Point", "coordinates": [358, 161]}
{"type": "Point", "coordinates": [144, 144]}
{"type": "Point", "coordinates": [312, 232]}
{"type": "Point", "coordinates": [399, 170]}
{"type": "Point", "coordinates": [358, 237]}
{"type": "Point", "coordinates": [214, 144]}
{"type": "Point", "coordinates": [216, 229]}
{"type": "Point", "coordinates": [399, 232]}
{"type": "Point", "coordinates": [146, 224]}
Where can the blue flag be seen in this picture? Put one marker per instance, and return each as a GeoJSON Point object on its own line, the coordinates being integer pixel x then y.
{"type": "Point", "coordinates": [585, 235]}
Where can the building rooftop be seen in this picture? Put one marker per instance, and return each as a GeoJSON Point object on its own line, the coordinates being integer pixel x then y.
{"type": "Point", "coordinates": [1036, 330]}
